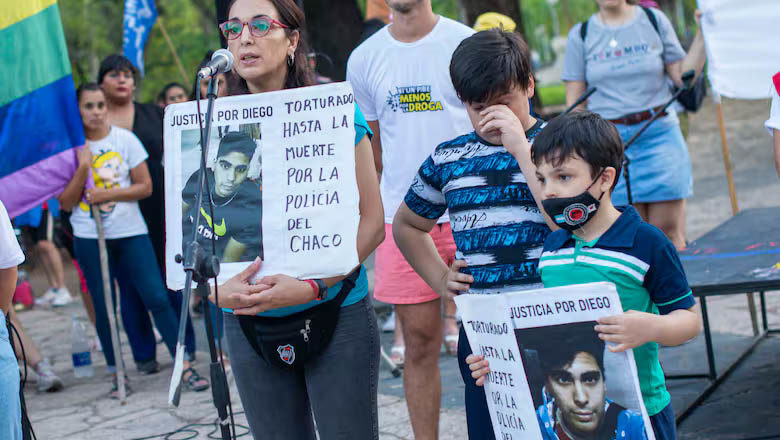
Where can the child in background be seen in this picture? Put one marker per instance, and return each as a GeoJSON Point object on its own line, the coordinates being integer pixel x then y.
{"type": "Point", "coordinates": [578, 159]}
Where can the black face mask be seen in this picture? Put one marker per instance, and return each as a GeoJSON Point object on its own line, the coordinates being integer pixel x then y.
{"type": "Point", "coordinates": [571, 213]}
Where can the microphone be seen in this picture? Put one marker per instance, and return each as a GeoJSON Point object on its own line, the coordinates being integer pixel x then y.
{"type": "Point", "coordinates": [221, 62]}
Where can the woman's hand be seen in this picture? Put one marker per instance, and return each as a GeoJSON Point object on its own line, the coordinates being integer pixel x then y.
{"type": "Point", "coordinates": [97, 196]}
{"type": "Point", "coordinates": [237, 292]}
{"type": "Point", "coordinates": [282, 291]}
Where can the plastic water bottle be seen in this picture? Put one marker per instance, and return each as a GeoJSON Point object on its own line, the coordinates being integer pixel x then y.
{"type": "Point", "coordinates": [82, 358]}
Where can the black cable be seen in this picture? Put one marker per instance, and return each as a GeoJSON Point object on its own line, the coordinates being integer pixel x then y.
{"type": "Point", "coordinates": [190, 429]}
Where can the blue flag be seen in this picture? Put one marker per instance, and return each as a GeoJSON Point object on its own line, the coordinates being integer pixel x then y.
{"type": "Point", "coordinates": [140, 16]}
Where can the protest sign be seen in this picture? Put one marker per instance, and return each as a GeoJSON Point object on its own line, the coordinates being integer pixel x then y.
{"type": "Point", "coordinates": [549, 371]}
{"type": "Point", "coordinates": [281, 169]}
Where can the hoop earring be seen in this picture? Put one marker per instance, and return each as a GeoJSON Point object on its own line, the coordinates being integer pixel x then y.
{"type": "Point", "coordinates": [291, 59]}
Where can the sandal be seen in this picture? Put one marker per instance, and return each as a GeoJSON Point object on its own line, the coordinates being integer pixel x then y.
{"type": "Point", "coordinates": [451, 340]}
{"type": "Point", "coordinates": [397, 355]}
{"type": "Point", "coordinates": [451, 344]}
{"type": "Point", "coordinates": [114, 393]}
{"type": "Point", "coordinates": [194, 382]}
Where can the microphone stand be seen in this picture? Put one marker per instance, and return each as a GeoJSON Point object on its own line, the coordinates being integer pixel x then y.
{"type": "Point", "coordinates": [200, 267]}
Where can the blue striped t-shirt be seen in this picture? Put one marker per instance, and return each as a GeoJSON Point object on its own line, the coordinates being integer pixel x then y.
{"type": "Point", "coordinates": [496, 224]}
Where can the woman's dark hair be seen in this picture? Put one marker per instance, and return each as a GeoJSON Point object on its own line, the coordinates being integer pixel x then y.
{"type": "Point", "coordinates": [299, 74]}
{"type": "Point", "coordinates": [116, 62]}
{"type": "Point", "coordinates": [585, 134]}
{"type": "Point", "coordinates": [488, 64]}
{"type": "Point", "coordinates": [87, 87]}
{"type": "Point", "coordinates": [169, 86]}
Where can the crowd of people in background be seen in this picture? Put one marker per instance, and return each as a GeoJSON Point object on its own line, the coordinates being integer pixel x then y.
{"type": "Point", "coordinates": [479, 84]}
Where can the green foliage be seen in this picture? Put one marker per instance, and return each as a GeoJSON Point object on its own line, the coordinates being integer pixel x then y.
{"type": "Point", "coordinates": [93, 30]}
{"type": "Point", "coordinates": [553, 94]}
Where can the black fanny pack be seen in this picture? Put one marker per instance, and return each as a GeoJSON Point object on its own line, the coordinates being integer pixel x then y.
{"type": "Point", "coordinates": [290, 341]}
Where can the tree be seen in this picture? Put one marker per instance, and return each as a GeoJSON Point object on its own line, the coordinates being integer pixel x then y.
{"type": "Point", "coordinates": [334, 29]}
{"type": "Point", "coordinates": [471, 9]}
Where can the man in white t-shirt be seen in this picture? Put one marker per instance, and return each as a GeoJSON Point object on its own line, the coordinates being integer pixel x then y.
{"type": "Point", "coordinates": [10, 257]}
{"type": "Point", "coordinates": [402, 85]}
{"type": "Point", "coordinates": [773, 123]}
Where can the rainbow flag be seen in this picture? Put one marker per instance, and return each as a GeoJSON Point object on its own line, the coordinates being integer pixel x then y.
{"type": "Point", "coordinates": [40, 123]}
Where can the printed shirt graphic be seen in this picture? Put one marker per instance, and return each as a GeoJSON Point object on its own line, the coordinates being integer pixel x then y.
{"type": "Point", "coordinates": [406, 87]}
{"type": "Point", "coordinates": [112, 159]}
{"type": "Point", "coordinates": [646, 269]}
{"type": "Point", "coordinates": [237, 217]}
{"type": "Point", "coordinates": [626, 63]}
{"type": "Point", "coordinates": [496, 223]}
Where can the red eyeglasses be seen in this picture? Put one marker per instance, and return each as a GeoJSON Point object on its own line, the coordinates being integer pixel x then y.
{"type": "Point", "coordinates": [258, 27]}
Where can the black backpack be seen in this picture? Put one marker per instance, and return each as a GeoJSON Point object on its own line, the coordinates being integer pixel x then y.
{"type": "Point", "coordinates": [690, 99]}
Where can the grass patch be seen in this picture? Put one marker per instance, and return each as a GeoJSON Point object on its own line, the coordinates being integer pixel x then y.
{"type": "Point", "coordinates": [552, 95]}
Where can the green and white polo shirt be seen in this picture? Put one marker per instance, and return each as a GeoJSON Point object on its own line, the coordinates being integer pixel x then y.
{"type": "Point", "coordinates": [643, 264]}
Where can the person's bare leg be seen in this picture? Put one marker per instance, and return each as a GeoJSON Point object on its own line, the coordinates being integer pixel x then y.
{"type": "Point", "coordinates": [31, 352]}
{"type": "Point", "coordinates": [669, 216]}
{"type": "Point", "coordinates": [450, 324]}
{"type": "Point", "coordinates": [86, 298]}
{"type": "Point", "coordinates": [421, 325]}
{"type": "Point", "coordinates": [52, 263]}
{"type": "Point", "coordinates": [396, 354]}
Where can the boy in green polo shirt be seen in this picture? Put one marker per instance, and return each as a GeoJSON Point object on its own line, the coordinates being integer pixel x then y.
{"type": "Point", "coordinates": [578, 159]}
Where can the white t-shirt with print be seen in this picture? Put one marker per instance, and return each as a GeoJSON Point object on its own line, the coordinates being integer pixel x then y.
{"type": "Point", "coordinates": [113, 158]}
{"type": "Point", "coordinates": [773, 123]}
{"type": "Point", "coordinates": [407, 88]}
{"type": "Point", "coordinates": [10, 253]}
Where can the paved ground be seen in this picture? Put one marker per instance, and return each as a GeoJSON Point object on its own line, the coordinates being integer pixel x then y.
{"type": "Point", "coordinates": [82, 410]}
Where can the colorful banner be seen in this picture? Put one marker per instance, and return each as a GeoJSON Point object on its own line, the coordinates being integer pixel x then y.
{"type": "Point", "coordinates": [39, 118]}
{"type": "Point", "coordinates": [140, 16]}
{"type": "Point", "coordinates": [742, 46]}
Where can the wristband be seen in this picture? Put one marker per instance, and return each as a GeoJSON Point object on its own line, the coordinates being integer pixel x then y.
{"type": "Point", "coordinates": [315, 287]}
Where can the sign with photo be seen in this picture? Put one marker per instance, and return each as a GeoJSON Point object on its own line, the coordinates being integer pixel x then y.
{"type": "Point", "coordinates": [281, 178]}
{"type": "Point", "coordinates": [551, 376]}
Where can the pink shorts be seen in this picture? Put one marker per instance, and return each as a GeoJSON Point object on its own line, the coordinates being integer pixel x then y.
{"type": "Point", "coordinates": [395, 281]}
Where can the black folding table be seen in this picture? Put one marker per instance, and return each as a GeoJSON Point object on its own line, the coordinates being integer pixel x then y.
{"type": "Point", "coordinates": [739, 256]}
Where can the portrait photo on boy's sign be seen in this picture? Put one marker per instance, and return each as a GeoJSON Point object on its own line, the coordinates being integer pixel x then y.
{"type": "Point", "coordinates": [580, 389]}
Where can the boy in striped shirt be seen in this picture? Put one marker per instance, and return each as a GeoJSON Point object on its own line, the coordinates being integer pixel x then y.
{"type": "Point", "coordinates": [578, 159]}
{"type": "Point", "coordinates": [486, 180]}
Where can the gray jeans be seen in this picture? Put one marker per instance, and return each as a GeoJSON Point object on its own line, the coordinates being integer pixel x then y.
{"type": "Point", "coordinates": [338, 387]}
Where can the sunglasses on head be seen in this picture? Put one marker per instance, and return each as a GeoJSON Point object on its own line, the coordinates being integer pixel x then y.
{"type": "Point", "coordinates": [258, 27]}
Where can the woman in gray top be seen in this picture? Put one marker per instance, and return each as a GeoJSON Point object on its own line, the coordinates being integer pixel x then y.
{"type": "Point", "coordinates": [627, 52]}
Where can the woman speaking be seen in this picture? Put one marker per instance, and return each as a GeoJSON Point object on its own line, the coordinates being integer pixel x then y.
{"type": "Point", "coordinates": [338, 386]}
{"type": "Point", "coordinates": [628, 52]}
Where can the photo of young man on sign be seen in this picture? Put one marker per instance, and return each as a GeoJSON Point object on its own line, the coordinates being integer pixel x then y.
{"type": "Point", "coordinates": [568, 382]}
{"type": "Point", "coordinates": [234, 181]}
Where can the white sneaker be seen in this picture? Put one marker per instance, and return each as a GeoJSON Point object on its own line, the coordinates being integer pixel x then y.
{"type": "Point", "coordinates": [389, 325]}
{"type": "Point", "coordinates": [61, 297]}
{"type": "Point", "coordinates": [46, 298]}
{"type": "Point", "coordinates": [47, 380]}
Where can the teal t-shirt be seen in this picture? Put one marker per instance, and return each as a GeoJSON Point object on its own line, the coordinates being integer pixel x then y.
{"type": "Point", "coordinates": [361, 285]}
